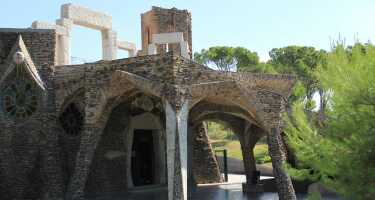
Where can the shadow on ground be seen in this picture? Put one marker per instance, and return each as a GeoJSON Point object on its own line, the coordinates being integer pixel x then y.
{"type": "Point", "coordinates": [215, 192]}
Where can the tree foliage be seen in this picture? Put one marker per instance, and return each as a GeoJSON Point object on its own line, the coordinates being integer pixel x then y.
{"type": "Point", "coordinates": [220, 57]}
{"type": "Point", "coordinates": [341, 155]}
{"type": "Point", "coordinates": [303, 62]}
{"type": "Point", "coordinates": [298, 60]}
{"type": "Point", "coordinates": [232, 59]}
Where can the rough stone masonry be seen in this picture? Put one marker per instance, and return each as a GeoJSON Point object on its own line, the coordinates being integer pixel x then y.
{"type": "Point", "coordinates": [72, 131]}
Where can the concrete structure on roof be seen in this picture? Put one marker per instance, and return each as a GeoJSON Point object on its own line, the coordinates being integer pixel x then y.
{"type": "Point", "coordinates": [169, 39]}
{"type": "Point", "coordinates": [75, 131]}
{"type": "Point", "coordinates": [78, 15]}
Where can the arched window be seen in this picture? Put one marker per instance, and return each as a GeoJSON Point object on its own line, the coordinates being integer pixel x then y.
{"type": "Point", "coordinates": [72, 120]}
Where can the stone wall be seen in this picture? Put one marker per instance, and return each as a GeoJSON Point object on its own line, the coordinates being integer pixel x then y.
{"type": "Point", "coordinates": [28, 145]}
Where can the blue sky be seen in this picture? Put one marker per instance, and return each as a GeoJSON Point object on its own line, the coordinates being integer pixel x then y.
{"type": "Point", "coordinates": [258, 25]}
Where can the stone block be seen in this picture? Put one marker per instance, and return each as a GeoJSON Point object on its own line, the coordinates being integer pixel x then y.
{"type": "Point", "coordinates": [86, 17]}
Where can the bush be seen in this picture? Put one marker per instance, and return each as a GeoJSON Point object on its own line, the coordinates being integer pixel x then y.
{"type": "Point", "coordinates": [261, 154]}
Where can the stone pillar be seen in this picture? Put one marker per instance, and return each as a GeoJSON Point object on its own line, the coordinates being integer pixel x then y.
{"type": "Point", "coordinates": [129, 146]}
{"type": "Point", "coordinates": [205, 166]}
{"type": "Point", "coordinates": [191, 180]}
{"type": "Point", "coordinates": [248, 161]}
{"type": "Point", "coordinates": [84, 158]}
{"type": "Point", "coordinates": [248, 139]}
{"type": "Point", "coordinates": [176, 129]}
{"type": "Point", "coordinates": [63, 42]}
{"type": "Point", "coordinates": [278, 155]}
{"type": "Point", "coordinates": [109, 44]}
{"type": "Point", "coordinates": [92, 130]}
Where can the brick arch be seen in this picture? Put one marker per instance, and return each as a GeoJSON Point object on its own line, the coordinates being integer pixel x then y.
{"type": "Point", "coordinates": [207, 107]}
{"type": "Point", "coordinates": [228, 93]}
{"type": "Point", "coordinates": [238, 124]}
{"type": "Point", "coordinates": [121, 81]}
{"type": "Point", "coordinates": [104, 97]}
{"type": "Point", "coordinates": [120, 107]}
{"type": "Point", "coordinates": [248, 135]}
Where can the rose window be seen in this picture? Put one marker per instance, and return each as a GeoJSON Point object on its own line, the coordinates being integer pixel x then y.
{"type": "Point", "coordinates": [20, 99]}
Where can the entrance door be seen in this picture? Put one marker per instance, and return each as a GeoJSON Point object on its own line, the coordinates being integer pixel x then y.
{"type": "Point", "coordinates": [143, 158]}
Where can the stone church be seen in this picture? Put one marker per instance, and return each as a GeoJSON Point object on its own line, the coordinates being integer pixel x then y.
{"type": "Point", "coordinates": [70, 131]}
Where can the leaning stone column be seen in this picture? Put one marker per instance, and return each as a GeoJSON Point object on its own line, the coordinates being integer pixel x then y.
{"type": "Point", "coordinates": [248, 140]}
{"type": "Point", "coordinates": [278, 155]}
{"type": "Point", "coordinates": [92, 130]}
{"type": "Point", "coordinates": [205, 166]}
{"type": "Point", "coordinates": [248, 161]}
{"type": "Point", "coordinates": [271, 109]}
{"type": "Point", "coordinates": [176, 129]}
{"type": "Point", "coordinates": [83, 161]}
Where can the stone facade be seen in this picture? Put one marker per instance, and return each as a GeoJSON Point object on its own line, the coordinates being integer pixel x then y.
{"type": "Point", "coordinates": [71, 131]}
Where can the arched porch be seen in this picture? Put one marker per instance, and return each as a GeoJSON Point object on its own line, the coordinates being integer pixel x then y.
{"type": "Point", "coordinates": [253, 108]}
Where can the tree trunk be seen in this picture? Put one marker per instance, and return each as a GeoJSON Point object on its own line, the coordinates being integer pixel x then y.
{"type": "Point", "coordinates": [322, 107]}
{"type": "Point", "coordinates": [278, 154]}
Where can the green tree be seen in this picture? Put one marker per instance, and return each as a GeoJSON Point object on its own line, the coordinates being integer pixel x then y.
{"type": "Point", "coordinates": [220, 57]}
{"type": "Point", "coordinates": [232, 59]}
{"type": "Point", "coordinates": [340, 155]}
{"type": "Point", "coordinates": [303, 62]}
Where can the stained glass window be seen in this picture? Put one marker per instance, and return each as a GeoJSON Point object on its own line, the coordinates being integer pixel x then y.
{"type": "Point", "coordinates": [19, 99]}
{"type": "Point", "coordinates": [72, 120]}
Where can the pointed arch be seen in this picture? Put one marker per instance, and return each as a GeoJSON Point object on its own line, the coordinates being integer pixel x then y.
{"type": "Point", "coordinates": [27, 64]}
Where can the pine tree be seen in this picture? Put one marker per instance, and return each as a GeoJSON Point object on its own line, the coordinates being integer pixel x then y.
{"type": "Point", "coordinates": [341, 154]}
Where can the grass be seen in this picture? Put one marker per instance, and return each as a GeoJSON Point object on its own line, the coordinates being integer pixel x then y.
{"type": "Point", "coordinates": [222, 137]}
{"type": "Point", "coordinates": [234, 150]}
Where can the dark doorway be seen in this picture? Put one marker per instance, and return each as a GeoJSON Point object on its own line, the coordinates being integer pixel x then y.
{"type": "Point", "coordinates": [142, 158]}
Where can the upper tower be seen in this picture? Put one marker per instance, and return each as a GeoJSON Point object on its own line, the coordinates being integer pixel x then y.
{"type": "Point", "coordinates": [161, 20]}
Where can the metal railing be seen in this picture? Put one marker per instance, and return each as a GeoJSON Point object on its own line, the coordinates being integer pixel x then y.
{"type": "Point", "coordinates": [223, 163]}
